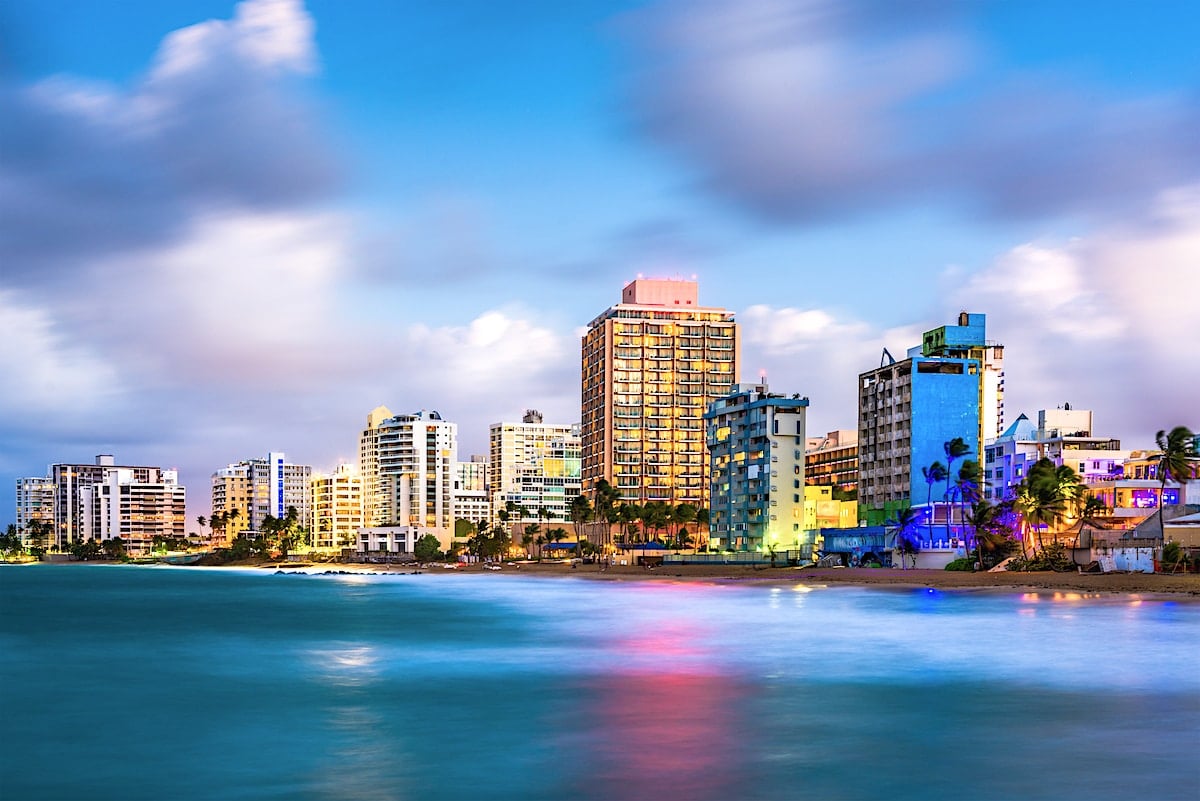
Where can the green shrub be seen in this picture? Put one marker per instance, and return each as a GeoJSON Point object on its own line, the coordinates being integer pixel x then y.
{"type": "Point", "coordinates": [965, 565]}
{"type": "Point", "coordinates": [1052, 557]}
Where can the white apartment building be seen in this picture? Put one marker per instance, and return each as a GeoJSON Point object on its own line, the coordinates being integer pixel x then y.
{"type": "Point", "coordinates": [471, 500]}
{"type": "Point", "coordinates": [35, 501]}
{"type": "Point", "coordinates": [122, 506]}
{"type": "Point", "coordinates": [337, 508]}
{"type": "Point", "coordinates": [69, 484]}
{"type": "Point", "coordinates": [534, 465]}
{"type": "Point", "coordinates": [407, 464]}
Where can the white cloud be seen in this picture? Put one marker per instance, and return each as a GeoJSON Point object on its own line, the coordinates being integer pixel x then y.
{"type": "Point", "coordinates": [47, 374]}
{"type": "Point", "coordinates": [271, 34]}
{"type": "Point", "coordinates": [1107, 322]}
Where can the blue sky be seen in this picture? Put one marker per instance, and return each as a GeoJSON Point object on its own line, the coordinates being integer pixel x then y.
{"type": "Point", "coordinates": [227, 229]}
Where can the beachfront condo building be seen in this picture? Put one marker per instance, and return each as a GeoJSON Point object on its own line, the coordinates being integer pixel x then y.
{"type": "Point", "coordinates": [1064, 436]}
{"type": "Point", "coordinates": [832, 461]}
{"type": "Point", "coordinates": [337, 508]}
{"type": "Point", "coordinates": [909, 409]}
{"type": "Point", "coordinates": [35, 501]}
{"type": "Point", "coordinates": [257, 488]}
{"type": "Point", "coordinates": [652, 364]}
{"type": "Point", "coordinates": [534, 470]}
{"type": "Point", "coordinates": [407, 465]}
{"type": "Point", "coordinates": [135, 510]}
{"type": "Point", "coordinates": [756, 442]}
{"type": "Point", "coordinates": [471, 502]}
{"type": "Point", "coordinates": [103, 501]}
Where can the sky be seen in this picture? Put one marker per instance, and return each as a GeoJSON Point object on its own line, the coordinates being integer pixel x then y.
{"type": "Point", "coordinates": [234, 228]}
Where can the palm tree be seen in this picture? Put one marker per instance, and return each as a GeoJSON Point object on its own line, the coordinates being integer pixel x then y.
{"type": "Point", "coordinates": [904, 537]}
{"type": "Point", "coordinates": [953, 449]}
{"type": "Point", "coordinates": [580, 512]}
{"type": "Point", "coordinates": [934, 474]}
{"type": "Point", "coordinates": [530, 534]}
{"type": "Point", "coordinates": [231, 517]}
{"type": "Point", "coordinates": [202, 521]}
{"type": "Point", "coordinates": [702, 520]}
{"type": "Point", "coordinates": [681, 515]}
{"type": "Point", "coordinates": [1178, 449]}
{"type": "Point", "coordinates": [982, 522]}
{"type": "Point", "coordinates": [970, 476]}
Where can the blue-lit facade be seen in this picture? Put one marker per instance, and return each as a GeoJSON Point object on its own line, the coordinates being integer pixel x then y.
{"type": "Point", "coordinates": [908, 410]}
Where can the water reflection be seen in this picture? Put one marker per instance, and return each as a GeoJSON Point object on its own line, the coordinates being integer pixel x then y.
{"type": "Point", "coordinates": [665, 725]}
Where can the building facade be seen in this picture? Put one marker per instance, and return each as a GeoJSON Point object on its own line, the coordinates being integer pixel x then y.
{"type": "Point", "coordinates": [70, 480]}
{"type": "Point", "coordinates": [968, 340]}
{"type": "Point", "coordinates": [1064, 436]}
{"type": "Point", "coordinates": [104, 500]}
{"type": "Point", "coordinates": [123, 506]}
{"type": "Point", "coordinates": [471, 501]}
{"type": "Point", "coordinates": [257, 488]}
{"type": "Point", "coordinates": [652, 364]}
{"type": "Point", "coordinates": [35, 501]}
{"type": "Point", "coordinates": [534, 466]}
{"type": "Point", "coordinates": [907, 411]}
{"type": "Point", "coordinates": [407, 464]}
{"type": "Point", "coordinates": [832, 460]}
{"type": "Point", "coordinates": [337, 508]}
{"type": "Point", "coordinates": [756, 443]}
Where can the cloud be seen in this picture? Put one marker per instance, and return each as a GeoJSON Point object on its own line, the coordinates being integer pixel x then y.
{"type": "Point", "coordinates": [1107, 322]}
{"type": "Point", "coordinates": [802, 110]}
{"type": "Point", "coordinates": [91, 169]}
{"type": "Point", "coordinates": [47, 375]}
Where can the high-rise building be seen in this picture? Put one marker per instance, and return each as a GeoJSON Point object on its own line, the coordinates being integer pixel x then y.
{"type": "Point", "coordinates": [337, 508]}
{"type": "Point", "coordinates": [756, 441]}
{"type": "Point", "coordinates": [652, 364]}
{"type": "Point", "coordinates": [261, 487]}
{"type": "Point", "coordinates": [908, 410]}
{"type": "Point", "coordinates": [136, 511]}
{"type": "Point", "coordinates": [35, 501]}
{"type": "Point", "coordinates": [534, 466]}
{"type": "Point", "coordinates": [407, 464]}
{"type": "Point", "coordinates": [105, 500]}
{"type": "Point", "coordinates": [968, 340]}
{"type": "Point", "coordinates": [832, 460]}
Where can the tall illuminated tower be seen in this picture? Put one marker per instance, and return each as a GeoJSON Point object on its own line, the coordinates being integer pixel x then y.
{"type": "Point", "coordinates": [651, 366]}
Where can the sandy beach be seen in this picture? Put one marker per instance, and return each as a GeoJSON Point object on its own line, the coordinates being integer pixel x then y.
{"type": "Point", "coordinates": [1181, 587]}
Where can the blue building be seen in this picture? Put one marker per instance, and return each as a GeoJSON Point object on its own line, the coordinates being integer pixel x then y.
{"type": "Point", "coordinates": [756, 452]}
{"type": "Point", "coordinates": [909, 409]}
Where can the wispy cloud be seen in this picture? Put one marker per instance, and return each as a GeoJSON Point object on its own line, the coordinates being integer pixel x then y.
{"type": "Point", "coordinates": [802, 110]}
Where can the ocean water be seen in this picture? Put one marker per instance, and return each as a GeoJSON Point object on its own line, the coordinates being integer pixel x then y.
{"type": "Point", "coordinates": [184, 683]}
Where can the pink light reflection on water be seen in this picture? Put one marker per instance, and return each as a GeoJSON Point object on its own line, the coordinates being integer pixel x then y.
{"type": "Point", "coordinates": [665, 725]}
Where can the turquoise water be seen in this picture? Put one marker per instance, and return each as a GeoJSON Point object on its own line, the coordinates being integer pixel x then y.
{"type": "Point", "coordinates": [160, 683]}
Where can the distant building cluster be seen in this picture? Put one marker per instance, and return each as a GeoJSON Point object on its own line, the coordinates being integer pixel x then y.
{"type": "Point", "coordinates": [664, 421]}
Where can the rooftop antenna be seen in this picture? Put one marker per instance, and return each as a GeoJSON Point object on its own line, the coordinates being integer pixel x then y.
{"type": "Point", "coordinates": [889, 357]}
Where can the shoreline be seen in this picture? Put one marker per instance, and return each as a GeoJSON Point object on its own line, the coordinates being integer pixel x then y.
{"type": "Point", "coordinates": [1177, 587]}
{"type": "Point", "coordinates": [1184, 587]}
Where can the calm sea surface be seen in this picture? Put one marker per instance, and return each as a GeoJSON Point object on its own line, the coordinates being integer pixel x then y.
{"type": "Point", "coordinates": [178, 684]}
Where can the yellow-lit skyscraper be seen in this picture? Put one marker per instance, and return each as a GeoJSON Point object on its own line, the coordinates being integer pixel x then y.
{"type": "Point", "coordinates": [651, 366]}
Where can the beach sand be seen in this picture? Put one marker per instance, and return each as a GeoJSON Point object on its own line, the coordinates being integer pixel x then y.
{"type": "Point", "coordinates": [1182, 587]}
